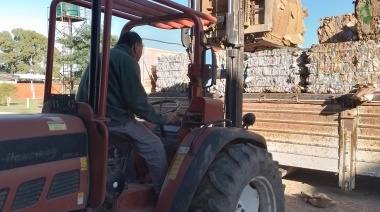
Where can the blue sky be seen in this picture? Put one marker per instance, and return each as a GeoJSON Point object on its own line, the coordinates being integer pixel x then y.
{"type": "Point", "coordinates": [32, 15]}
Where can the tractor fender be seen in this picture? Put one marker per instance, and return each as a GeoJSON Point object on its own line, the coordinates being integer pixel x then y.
{"type": "Point", "coordinates": [187, 170]}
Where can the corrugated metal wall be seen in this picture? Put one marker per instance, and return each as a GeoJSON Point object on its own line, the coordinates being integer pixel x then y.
{"type": "Point", "coordinates": [299, 134]}
{"type": "Point", "coordinates": [368, 140]}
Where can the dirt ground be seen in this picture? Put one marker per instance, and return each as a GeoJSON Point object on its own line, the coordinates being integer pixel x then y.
{"type": "Point", "coordinates": [365, 198]}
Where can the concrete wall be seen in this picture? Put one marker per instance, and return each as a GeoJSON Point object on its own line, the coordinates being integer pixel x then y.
{"type": "Point", "coordinates": [25, 90]}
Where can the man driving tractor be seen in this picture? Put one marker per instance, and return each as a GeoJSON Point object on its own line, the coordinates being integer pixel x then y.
{"type": "Point", "coordinates": [126, 98]}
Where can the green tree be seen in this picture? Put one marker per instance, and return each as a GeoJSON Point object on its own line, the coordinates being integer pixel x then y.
{"type": "Point", "coordinates": [7, 90]}
{"type": "Point", "coordinates": [7, 53]}
{"type": "Point", "coordinates": [78, 46]}
{"type": "Point", "coordinates": [23, 51]}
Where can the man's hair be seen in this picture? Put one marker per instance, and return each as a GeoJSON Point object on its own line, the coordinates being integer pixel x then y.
{"type": "Point", "coordinates": [130, 38]}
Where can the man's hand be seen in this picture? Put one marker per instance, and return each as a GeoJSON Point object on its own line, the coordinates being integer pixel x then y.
{"type": "Point", "coordinates": [172, 117]}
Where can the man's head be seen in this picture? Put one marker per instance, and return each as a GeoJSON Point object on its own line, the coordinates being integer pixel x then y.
{"type": "Point", "coordinates": [133, 40]}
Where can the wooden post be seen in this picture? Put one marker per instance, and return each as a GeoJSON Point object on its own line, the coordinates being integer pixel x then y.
{"type": "Point", "coordinates": [348, 140]}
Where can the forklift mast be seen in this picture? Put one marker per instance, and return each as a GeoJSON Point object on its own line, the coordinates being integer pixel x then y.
{"type": "Point", "coordinates": [234, 46]}
{"type": "Point", "coordinates": [234, 62]}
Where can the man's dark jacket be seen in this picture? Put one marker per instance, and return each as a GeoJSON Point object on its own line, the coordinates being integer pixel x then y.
{"type": "Point", "coordinates": [126, 96]}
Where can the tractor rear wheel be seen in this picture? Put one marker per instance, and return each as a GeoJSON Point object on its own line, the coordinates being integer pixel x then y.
{"type": "Point", "coordinates": [243, 177]}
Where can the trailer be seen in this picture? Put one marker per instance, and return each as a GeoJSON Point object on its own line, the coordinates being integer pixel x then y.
{"type": "Point", "coordinates": [315, 131]}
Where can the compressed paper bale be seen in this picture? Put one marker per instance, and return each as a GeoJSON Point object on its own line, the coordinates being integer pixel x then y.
{"type": "Point", "coordinates": [332, 83]}
{"type": "Point", "coordinates": [163, 66]}
{"type": "Point", "coordinates": [277, 70]}
{"type": "Point", "coordinates": [338, 29]}
{"type": "Point", "coordinates": [220, 87]}
{"type": "Point", "coordinates": [326, 84]}
{"type": "Point", "coordinates": [325, 68]}
{"type": "Point", "coordinates": [168, 82]}
{"type": "Point", "coordinates": [181, 57]}
{"type": "Point", "coordinates": [162, 74]}
{"type": "Point", "coordinates": [336, 67]}
{"type": "Point", "coordinates": [368, 15]}
{"type": "Point", "coordinates": [171, 73]}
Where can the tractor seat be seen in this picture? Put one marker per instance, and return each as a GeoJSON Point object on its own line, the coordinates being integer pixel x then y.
{"type": "Point", "coordinates": [119, 170]}
{"type": "Point", "coordinates": [121, 144]}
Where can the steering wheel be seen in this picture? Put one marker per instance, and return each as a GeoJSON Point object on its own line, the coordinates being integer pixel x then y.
{"type": "Point", "coordinates": [175, 108]}
{"type": "Point", "coordinates": [161, 102]}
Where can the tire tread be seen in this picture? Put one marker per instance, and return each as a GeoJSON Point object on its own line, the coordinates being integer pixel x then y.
{"type": "Point", "coordinates": [228, 174]}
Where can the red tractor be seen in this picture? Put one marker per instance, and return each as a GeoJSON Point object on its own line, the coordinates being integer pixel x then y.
{"type": "Point", "coordinates": [58, 160]}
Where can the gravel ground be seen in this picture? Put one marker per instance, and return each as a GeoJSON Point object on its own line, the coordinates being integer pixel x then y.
{"type": "Point", "coordinates": [365, 198]}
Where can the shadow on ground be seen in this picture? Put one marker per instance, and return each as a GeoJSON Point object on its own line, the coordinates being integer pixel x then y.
{"type": "Point", "coordinates": [366, 196]}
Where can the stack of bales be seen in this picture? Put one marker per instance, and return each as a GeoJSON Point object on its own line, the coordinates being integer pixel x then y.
{"type": "Point", "coordinates": [270, 71]}
{"type": "Point", "coordinates": [275, 71]}
{"type": "Point", "coordinates": [337, 67]}
{"type": "Point", "coordinates": [348, 54]}
{"type": "Point", "coordinates": [172, 73]}
{"type": "Point", "coordinates": [368, 15]}
{"type": "Point", "coordinates": [338, 29]}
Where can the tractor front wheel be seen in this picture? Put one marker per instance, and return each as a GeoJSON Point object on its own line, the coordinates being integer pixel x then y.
{"type": "Point", "coordinates": [242, 177]}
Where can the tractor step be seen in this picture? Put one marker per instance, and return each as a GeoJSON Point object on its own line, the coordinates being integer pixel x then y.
{"type": "Point", "coordinates": [139, 197]}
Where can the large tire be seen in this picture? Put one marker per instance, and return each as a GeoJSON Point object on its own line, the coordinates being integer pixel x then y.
{"type": "Point", "coordinates": [233, 169]}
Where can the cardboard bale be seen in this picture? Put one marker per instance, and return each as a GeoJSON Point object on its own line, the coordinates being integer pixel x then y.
{"type": "Point", "coordinates": [338, 29]}
{"type": "Point", "coordinates": [368, 14]}
{"type": "Point", "coordinates": [267, 24]}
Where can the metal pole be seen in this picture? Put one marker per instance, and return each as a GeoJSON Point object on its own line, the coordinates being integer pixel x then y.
{"type": "Point", "coordinates": [94, 71]}
{"type": "Point", "coordinates": [71, 83]}
{"type": "Point", "coordinates": [105, 57]}
{"type": "Point", "coordinates": [234, 64]}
